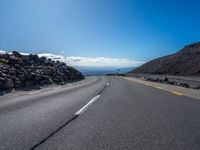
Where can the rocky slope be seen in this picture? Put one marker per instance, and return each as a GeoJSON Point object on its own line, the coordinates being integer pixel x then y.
{"type": "Point", "coordinates": [186, 62]}
{"type": "Point", "coordinates": [26, 71]}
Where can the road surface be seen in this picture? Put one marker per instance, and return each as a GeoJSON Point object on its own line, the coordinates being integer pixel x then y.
{"type": "Point", "coordinates": [108, 113]}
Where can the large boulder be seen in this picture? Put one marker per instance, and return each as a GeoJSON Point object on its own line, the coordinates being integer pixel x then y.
{"type": "Point", "coordinates": [29, 83]}
{"type": "Point", "coordinates": [18, 83]}
{"type": "Point", "coordinates": [17, 54]}
{"type": "Point", "coordinates": [8, 84]}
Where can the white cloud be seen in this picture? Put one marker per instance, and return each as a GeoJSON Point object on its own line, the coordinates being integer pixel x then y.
{"type": "Point", "coordinates": [90, 62]}
{"type": "Point", "coordinates": [2, 52]}
{"type": "Point", "coordinates": [94, 62]}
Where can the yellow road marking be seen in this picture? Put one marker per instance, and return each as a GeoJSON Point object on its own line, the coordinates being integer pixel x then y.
{"type": "Point", "coordinates": [157, 87]}
{"type": "Point", "coordinates": [177, 93]}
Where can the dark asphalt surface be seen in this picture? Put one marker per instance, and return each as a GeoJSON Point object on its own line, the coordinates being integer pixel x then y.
{"type": "Point", "coordinates": [127, 116]}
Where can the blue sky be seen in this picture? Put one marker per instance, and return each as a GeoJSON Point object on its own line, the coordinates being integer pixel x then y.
{"type": "Point", "coordinates": [137, 30]}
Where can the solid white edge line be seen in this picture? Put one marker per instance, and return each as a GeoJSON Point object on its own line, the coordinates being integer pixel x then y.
{"type": "Point", "coordinates": [57, 88]}
{"type": "Point", "coordinates": [84, 108]}
{"type": "Point", "coordinates": [34, 93]}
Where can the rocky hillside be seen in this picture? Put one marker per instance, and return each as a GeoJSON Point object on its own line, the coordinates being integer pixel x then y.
{"type": "Point", "coordinates": [25, 71]}
{"type": "Point", "coordinates": [186, 62]}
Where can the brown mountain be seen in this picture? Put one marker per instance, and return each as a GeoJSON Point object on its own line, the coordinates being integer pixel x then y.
{"type": "Point", "coordinates": [186, 62]}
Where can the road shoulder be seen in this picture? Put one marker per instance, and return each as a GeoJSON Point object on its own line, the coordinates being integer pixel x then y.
{"type": "Point", "coordinates": [20, 96]}
{"type": "Point", "coordinates": [179, 91]}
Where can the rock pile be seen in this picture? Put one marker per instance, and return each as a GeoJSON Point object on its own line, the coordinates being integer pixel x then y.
{"type": "Point", "coordinates": [168, 81]}
{"type": "Point", "coordinates": [19, 71]}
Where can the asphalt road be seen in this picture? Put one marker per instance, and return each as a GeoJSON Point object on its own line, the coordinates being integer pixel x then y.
{"type": "Point", "coordinates": [118, 115]}
{"type": "Point", "coordinates": [27, 119]}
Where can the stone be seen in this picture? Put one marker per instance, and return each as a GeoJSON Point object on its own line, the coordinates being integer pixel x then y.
{"type": "Point", "coordinates": [16, 54]}
{"type": "Point", "coordinates": [12, 71]}
{"type": "Point", "coordinates": [2, 79]}
{"type": "Point", "coordinates": [38, 77]}
{"type": "Point", "coordinates": [184, 85]}
{"type": "Point", "coordinates": [18, 83]}
{"type": "Point", "coordinates": [29, 83]}
{"type": "Point", "coordinates": [8, 84]}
